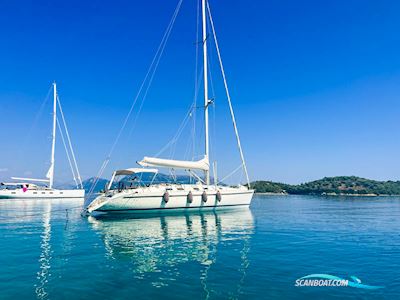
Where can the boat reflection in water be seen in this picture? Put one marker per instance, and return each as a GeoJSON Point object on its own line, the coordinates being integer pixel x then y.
{"type": "Point", "coordinates": [44, 210]}
{"type": "Point", "coordinates": [171, 245]}
{"type": "Point", "coordinates": [34, 219]}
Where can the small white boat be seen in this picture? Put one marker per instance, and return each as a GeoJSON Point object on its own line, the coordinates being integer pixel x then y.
{"type": "Point", "coordinates": [29, 191]}
{"type": "Point", "coordinates": [31, 188]}
{"type": "Point", "coordinates": [141, 198]}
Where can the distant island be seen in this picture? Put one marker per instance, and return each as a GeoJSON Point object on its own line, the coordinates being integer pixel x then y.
{"type": "Point", "coordinates": [339, 185]}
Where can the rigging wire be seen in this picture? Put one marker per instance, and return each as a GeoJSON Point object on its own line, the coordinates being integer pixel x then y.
{"type": "Point", "coordinates": [230, 174]}
{"type": "Point", "coordinates": [67, 152]}
{"type": "Point", "coordinates": [39, 113]}
{"type": "Point", "coordinates": [228, 96]}
{"type": "Point", "coordinates": [191, 143]}
{"type": "Point", "coordinates": [196, 80]}
{"type": "Point", "coordinates": [213, 144]}
{"type": "Point", "coordinates": [178, 133]}
{"type": "Point", "coordinates": [154, 60]}
{"type": "Point", "coordinates": [69, 144]}
{"type": "Point", "coordinates": [155, 67]}
{"type": "Point", "coordinates": [182, 127]}
{"type": "Point", "coordinates": [214, 139]}
{"type": "Point", "coordinates": [192, 110]}
{"type": "Point", "coordinates": [35, 120]}
{"type": "Point", "coordinates": [194, 116]}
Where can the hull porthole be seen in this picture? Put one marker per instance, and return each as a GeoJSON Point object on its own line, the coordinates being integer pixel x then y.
{"type": "Point", "coordinates": [166, 197]}
{"type": "Point", "coordinates": [204, 196]}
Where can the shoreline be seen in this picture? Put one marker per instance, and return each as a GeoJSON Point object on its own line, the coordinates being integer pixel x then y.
{"type": "Point", "coordinates": [349, 186]}
{"type": "Point", "coordinates": [328, 194]}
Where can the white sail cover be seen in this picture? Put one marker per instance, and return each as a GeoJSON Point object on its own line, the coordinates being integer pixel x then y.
{"type": "Point", "coordinates": [202, 164]}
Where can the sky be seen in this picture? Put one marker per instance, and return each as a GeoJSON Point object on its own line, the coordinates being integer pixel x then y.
{"type": "Point", "coordinates": [315, 86]}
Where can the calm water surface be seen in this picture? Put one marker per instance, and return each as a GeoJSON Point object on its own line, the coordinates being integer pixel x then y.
{"type": "Point", "coordinates": [48, 252]}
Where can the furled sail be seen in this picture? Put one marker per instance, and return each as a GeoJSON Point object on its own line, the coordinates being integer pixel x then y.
{"type": "Point", "coordinates": [202, 164]}
{"type": "Point", "coordinates": [50, 172]}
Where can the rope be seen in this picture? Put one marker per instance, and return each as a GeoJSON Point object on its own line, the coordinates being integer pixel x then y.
{"type": "Point", "coordinates": [229, 97]}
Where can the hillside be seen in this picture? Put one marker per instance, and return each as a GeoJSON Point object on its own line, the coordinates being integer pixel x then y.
{"type": "Point", "coordinates": [100, 185]}
{"type": "Point", "coordinates": [340, 185]}
{"type": "Point", "coordinates": [270, 187]}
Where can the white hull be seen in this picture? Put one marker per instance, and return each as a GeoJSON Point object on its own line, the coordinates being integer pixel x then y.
{"type": "Point", "coordinates": [151, 199]}
{"type": "Point", "coordinates": [41, 193]}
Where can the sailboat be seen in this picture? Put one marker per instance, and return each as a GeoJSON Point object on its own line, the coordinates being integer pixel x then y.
{"type": "Point", "coordinates": [153, 197]}
{"type": "Point", "coordinates": [31, 188]}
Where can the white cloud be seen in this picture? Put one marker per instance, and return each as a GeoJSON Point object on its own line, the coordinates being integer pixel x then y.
{"type": "Point", "coordinates": [3, 169]}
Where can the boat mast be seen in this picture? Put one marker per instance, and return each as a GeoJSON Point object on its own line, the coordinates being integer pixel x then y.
{"type": "Point", "coordinates": [206, 100]}
{"type": "Point", "coordinates": [53, 145]}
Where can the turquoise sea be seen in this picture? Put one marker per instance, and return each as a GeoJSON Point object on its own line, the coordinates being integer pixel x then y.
{"type": "Point", "coordinates": [48, 251]}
